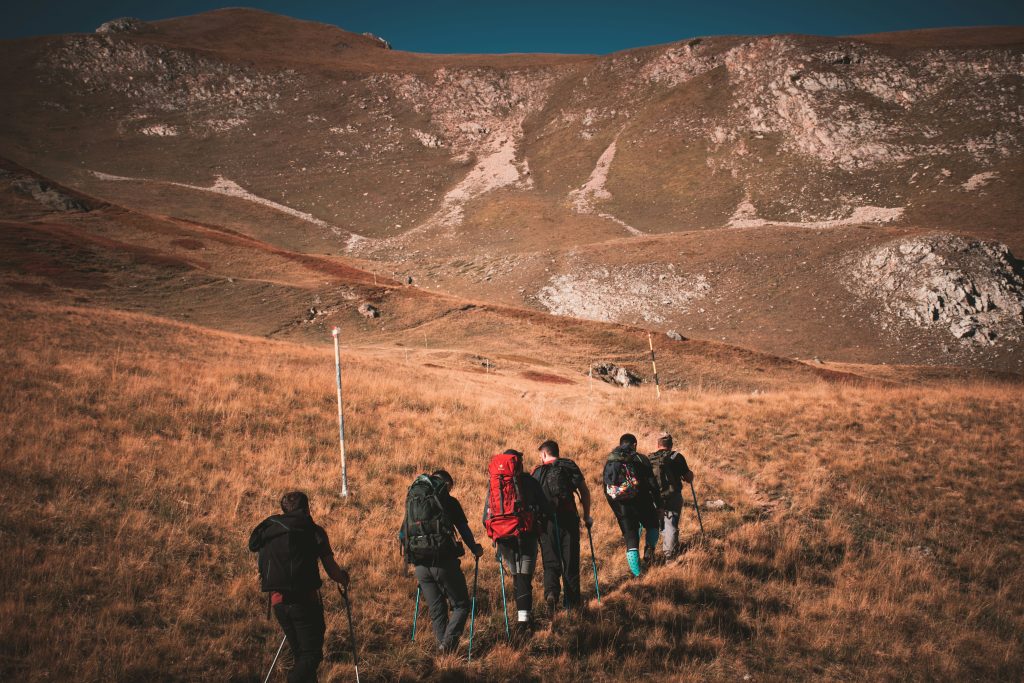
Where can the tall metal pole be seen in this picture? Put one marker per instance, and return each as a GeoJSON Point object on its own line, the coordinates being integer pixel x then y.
{"type": "Point", "coordinates": [657, 384]}
{"type": "Point", "coordinates": [341, 417]}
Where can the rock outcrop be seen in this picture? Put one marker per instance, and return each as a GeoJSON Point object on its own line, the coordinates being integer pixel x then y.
{"type": "Point", "coordinates": [972, 288]}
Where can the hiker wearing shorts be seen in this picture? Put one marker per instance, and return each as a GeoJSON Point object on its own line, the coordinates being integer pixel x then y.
{"type": "Point", "coordinates": [289, 547]}
{"type": "Point", "coordinates": [632, 493]}
{"type": "Point", "coordinates": [671, 470]}
{"type": "Point", "coordinates": [561, 479]}
{"type": "Point", "coordinates": [427, 538]}
{"type": "Point", "coordinates": [514, 511]}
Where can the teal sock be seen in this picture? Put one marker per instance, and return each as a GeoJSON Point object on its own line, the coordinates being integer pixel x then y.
{"type": "Point", "coordinates": [633, 560]}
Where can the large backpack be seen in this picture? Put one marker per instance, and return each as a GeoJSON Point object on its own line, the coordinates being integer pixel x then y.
{"type": "Point", "coordinates": [556, 481]}
{"type": "Point", "coordinates": [508, 514]}
{"type": "Point", "coordinates": [288, 554]}
{"type": "Point", "coordinates": [667, 481]}
{"type": "Point", "coordinates": [429, 534]}
{"type": "Point", "coordinates": [621, 480]}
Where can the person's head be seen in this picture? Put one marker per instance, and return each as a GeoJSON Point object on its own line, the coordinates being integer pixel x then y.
{"type": "Point", "coordinates": [665, 440]}
{"type": "Point", "coordinates": [294, 501]}
{"type": "Point", "coordinates": [446, 477]}
{"type": "Point", "coordinates": [627, 441]}
{"type": "Point", "coordinates": [548, 450]}
{"type": "Point", "coordinates": [519, 458]}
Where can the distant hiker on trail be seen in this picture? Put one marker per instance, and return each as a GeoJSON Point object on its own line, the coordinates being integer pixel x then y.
{"type": "Point", "coordinates": [427, 538]}
{"type": "Point", "coordinates": [633, 495]}
{"type": "Point", "coordinates": [560, 478]}
{"type": "Point", "coordinates": [289, 546]}
{"type": "Point", "coordinates": [671, 470]}
{"type": "Point", "coordinates": [515, 510]}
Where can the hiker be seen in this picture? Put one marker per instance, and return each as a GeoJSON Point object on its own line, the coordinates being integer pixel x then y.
{"type": "Point", "coordinates": [515, 510]}
{"type": "Point", "coordinates": [671, 471]}
{"type": "Point", "coordinates": [289, 546]}
{"type": "Point", "coordinates": [561, 478]}
{"type": "Point", "coordinates": [633, 495]}
{"type": "Point", "coordinates": [427, 538]}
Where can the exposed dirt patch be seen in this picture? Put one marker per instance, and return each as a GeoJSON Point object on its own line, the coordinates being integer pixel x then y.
{"type": "Point", "coordinates": [546, 377]}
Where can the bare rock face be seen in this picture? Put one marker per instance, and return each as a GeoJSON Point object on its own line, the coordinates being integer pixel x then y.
{"type": "Point", "coordinates": [47, 195]}
{"type": "Point", "coordinates": [616, 374]}
{"type": "Point", "coordinates": [123, 25]}
{"type": "Point", "coordinates": [973, 288]}
{"type": "Point", "coordinates": [368, 310]}
{"type": "Point", "coordinates": [610, 294]}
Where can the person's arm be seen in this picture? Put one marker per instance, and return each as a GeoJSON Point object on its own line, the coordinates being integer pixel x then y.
{"type": "Point", "coordinates": [330, 564]}
{"type": "Point", "coordinates": [686, 473]}
{"type": "Point", "coordinates": [580, 483]}
{"type": "Point", "coordinates": [458, 517]}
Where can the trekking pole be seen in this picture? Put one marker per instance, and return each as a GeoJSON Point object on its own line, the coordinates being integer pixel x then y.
{"type": "Point", "coordinates": [341, 418]}
{"type": "Point", "coordinates": [504, 602]}
{"type": "Point", "coordinates": [593, 561]}
{"type": "Point", "coordinates": [274, 663]}
{"type": "Point", "coordinates": [416, 613]}
{"type": "Point", "coordinates": [697, 508]}
{"type": "Point", "coordinates": [653, 365]}
{"type": "Point", "coordinates": [351, 630]}
{"type": "Point", "coordinates": [472, 611]}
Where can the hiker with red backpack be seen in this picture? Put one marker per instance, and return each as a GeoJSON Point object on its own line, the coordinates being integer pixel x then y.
{"type": "Point", "coordinates": [427, 538]}
{"type": "Point", "coordinates": [560, 479]}
{"type": "Point", "coordinates": [290, 545]}
{"type": "Point", "coordinates": [634, 496]}
{"type": "Point", "coordinates": [515, 510]}
{"type": "Point", "coordinates": [671, 471]}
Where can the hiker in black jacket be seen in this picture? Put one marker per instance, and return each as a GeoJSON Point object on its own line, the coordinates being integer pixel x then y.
{"type": "Point", "coordinates": [289, 547]}
{"type": "Point", "coordinates": [560, 479]}
{"type": "Point", "coordinates": [519, 551]}
{"type": "Point", "coordinates": [671, 470]}
{"type": "Point", "coordinates": [427, 538]}
{"type": "Point", "coordinates": [633, 495]}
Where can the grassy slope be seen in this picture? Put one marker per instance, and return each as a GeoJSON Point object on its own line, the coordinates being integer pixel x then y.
{"type": "Point", "coordinates": [870, 533]}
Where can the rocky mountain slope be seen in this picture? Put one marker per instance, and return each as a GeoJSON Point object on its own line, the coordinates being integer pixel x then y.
{"type": "Point", "coordinates": [773, 192]}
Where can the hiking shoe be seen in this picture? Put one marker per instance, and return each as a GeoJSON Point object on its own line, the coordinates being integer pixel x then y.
{"type": "Point", "coordinates": [552, 603]}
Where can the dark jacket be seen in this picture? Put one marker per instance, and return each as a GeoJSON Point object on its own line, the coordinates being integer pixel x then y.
{"type": "Point", "coordinates": [673, 470]}
{"type": "Point", "coordinates": [308, 567]}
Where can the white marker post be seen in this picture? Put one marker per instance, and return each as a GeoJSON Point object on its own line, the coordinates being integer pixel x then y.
{"type": "Point", "coordinates": [341, 417]}
{"type": "Point", "coordinates": [654, 365]}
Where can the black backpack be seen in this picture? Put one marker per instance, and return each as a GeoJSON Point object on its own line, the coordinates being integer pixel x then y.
{"type": "Point", "coordinates": [556, 482]}
{"type": "Point", "coordinates": [429, 532]}
{"type": "Point", "coordinates": [663, 472]}
{"type": "Point", "coordinates": [288, 554]}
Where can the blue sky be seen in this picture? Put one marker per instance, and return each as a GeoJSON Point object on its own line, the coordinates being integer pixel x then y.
{"type": "Point", "coordinates": [594, 26]}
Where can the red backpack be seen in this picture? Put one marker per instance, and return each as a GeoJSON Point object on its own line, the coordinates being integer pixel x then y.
{"type": "Point", "coordinates": [507, 514]}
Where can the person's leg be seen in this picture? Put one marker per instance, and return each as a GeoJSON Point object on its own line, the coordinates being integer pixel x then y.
{"type": "Point", "coordinates": [308, 621]}
{"type": "Point", "coordinates": [454, 582]}
{"type": "Point", "coordinates": [630, 527]}
{"type": "Point", "coordinates": [670, 532]}
{"type": "Point", "coordinates": [525, 561]}
{"type": "Point", "coordinates": [571, 566]}
{"type": "Point", "coordinates": [650, 522]}
{"type": "Point", "coordinates": [552, 566]}
{"type": "Point", "coordinates": [437, 602]}
{"type": "Point", "coordinates": [284, 618]}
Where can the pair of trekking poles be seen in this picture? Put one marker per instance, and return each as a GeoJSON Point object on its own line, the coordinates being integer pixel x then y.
{"type": "Point", "coordinates": [472, 610]}
{"type": "Point", "coordinates": [352, 637]}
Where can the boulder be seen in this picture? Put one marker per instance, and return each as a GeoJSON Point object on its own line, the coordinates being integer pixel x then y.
{"type": "Point", "coordinates": [674, 336]}
{"type": "Point", "coordinates": [123, 25]}
{"type": "Point", "coordinates": [368, 310]}
{"type": "Point", "coordinates": [616, 374]}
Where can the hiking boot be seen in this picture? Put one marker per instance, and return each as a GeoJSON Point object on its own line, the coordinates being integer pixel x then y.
{"type": "Point", "coordinates": [552, 603]}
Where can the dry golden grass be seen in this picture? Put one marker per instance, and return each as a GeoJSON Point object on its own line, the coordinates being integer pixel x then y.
{"type": "Point", "coordinates": [870, 533]}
